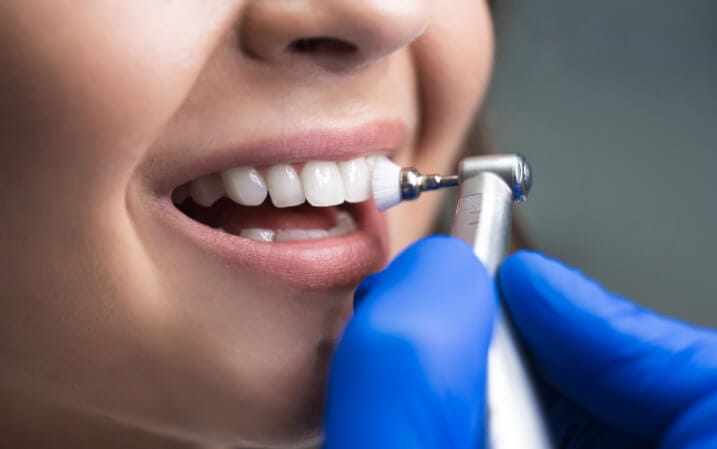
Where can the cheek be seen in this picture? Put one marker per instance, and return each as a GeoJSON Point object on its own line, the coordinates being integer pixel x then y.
{"type": "Point", "coordinates": [86, 89]}
{"type": "Point", "coordinates": [83, 91]}
{"type": "Point", "coordinates": [453, 60]}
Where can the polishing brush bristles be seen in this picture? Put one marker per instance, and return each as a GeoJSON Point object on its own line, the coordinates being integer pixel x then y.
{"type": "Point", "coordinates": [386, 183]}
{"type": "Point", "coordinates": [393, 184]}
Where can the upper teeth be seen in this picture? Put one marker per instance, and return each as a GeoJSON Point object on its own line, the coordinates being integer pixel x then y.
{"type": "Point", "coordinates": [244, 185]}
{"type": "Point", "coordinates": [321, 183]}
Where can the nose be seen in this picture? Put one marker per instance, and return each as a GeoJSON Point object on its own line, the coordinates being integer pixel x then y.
{"type": "Point", "coordinates": [333, 34]}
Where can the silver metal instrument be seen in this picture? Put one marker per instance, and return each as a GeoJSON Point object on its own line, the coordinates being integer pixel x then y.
{"type": "Point", "coordinates": [488, 187]}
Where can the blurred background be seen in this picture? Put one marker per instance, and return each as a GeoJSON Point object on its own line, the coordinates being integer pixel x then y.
{"type": "Point", "coordinates": [614, 102]}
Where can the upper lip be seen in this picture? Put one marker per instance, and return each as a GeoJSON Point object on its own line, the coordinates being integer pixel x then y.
{"type": "Point", "coordinates": [384, 136]}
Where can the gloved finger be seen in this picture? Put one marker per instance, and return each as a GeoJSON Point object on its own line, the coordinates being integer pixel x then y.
{"type": "Point", "coordinates": [573, 427]}
{"type": "Point", "coordinates": [365, 287]}
{"type": "Point", "coordinates": [632, 368]}
{"type": "Point", "coordinates": [695, 428]}
{"type": "Point", "coordinates": [409, 370]}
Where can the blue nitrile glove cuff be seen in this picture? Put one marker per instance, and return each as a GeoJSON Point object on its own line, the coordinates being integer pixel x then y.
{"type": "Point", "coordinates": [409, 371]}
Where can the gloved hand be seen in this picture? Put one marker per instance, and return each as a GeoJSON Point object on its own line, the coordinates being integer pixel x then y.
{"type": "Point", "coordinates": [409, 371]}
{"type": "Point", "coordinates": [614, 375]}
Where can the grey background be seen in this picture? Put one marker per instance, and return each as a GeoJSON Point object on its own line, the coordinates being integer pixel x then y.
{"type": "Point", "coordinates": [614, 104]}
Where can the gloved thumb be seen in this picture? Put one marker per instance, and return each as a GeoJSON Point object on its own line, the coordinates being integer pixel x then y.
{"type": "Point", "coordinates": [409, 371]}
{"type": "Point", "coordinates": [628, 366]}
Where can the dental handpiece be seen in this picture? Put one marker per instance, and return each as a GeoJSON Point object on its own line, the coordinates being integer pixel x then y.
{"type": "Point", "coordinates": [488, 187]}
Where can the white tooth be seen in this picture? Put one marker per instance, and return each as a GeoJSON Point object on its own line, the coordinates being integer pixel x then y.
{"type": "Point", "coordinates": [343, 216]}
{"type": "Point", "coordinates": [206, 190]}
{"type": "Point", "coordinates": [322, 183]}
{"type": "Point", "coordinates": [301, 234]}
{"type": "Point", "coordinates": [371, 160]}
{"type": "Point", "coordinates": [313, 234]}
{"type": "Point", "coordinates": [180, 194]}
{"type": "Point", "coordinates": [244, 185]}
{"type": "Point", "coordinates": [263, 235]}
{"type": "Point", "coordinates": [284, 185]}
{"type": "Point", "coordinates": [345, 224]}
{"type": "Point", "coordinates": [357, 180]}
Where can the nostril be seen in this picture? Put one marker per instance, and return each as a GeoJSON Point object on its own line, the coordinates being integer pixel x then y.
{"type": "Point", "coordinates": [336, 35]}
{"type": "Point", "coordinates": [323, 45]}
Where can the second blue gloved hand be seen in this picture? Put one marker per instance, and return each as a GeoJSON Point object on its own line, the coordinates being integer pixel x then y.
{"type": "Point", "coordinates": [615, 375]}
{"type": "Point", "coordinates": [409, 371]}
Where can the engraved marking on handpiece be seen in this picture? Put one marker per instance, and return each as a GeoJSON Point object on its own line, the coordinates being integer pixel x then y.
{"type": "Point", "coordinates": [476, 200]}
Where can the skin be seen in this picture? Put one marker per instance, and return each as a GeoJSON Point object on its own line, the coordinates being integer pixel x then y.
{"type": "Point", "coordinates": [114, 334]}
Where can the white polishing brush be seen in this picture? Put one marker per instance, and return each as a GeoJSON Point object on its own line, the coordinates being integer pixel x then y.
{"type": "Point", "coordinates": [392, 184]}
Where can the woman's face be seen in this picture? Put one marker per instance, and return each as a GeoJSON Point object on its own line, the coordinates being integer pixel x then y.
{"type": "Point", "coordinates": [116, 306]}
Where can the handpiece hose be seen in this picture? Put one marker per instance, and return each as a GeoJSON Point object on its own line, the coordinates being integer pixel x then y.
{"type": "Point", "coordinates": [488, 187]}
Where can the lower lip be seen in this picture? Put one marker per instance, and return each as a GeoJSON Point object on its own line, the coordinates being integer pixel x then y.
{"type": "Point", "coordinates": [306, 264]}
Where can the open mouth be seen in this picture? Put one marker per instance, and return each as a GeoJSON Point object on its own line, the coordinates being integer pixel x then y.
{"type": "Point", "coordinates": [295, 208]}
{"type": "Point", "coordinates": [280, 203]}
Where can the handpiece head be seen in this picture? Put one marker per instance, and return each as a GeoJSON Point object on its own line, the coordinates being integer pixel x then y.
{"type": "Point", "coordinates": [392, 184]}
{"type": "Point", "coordinates": [512, 168]}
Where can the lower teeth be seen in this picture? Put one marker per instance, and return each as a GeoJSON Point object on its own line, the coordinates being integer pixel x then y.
{"type": "Point", "coordinates": [345, 224]}
{"type": "Point", "coordinates": [300, 234]}
{"type": "Point", "coordinates": [262, 235]}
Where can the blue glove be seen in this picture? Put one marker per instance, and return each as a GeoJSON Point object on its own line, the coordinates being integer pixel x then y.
{"type": "Point", "coordinates": [614, 375]}
{"type": "Point", "coordinates": [409, 371]}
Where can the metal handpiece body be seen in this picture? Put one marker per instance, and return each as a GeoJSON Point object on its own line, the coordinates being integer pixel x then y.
{"type": "Point", "coordinates": [488, 187]}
